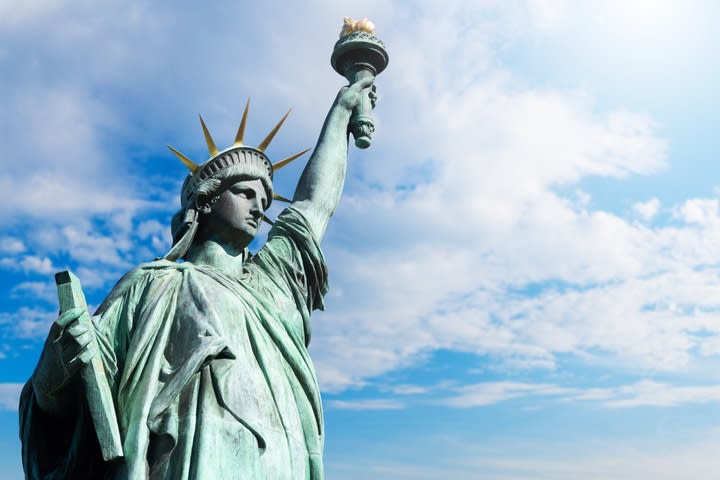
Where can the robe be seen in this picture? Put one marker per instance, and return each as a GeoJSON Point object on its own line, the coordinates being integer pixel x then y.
{"type": "Point", "coordinates": [210, 375]}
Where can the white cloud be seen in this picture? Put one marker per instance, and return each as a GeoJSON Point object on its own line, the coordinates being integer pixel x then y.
{"type": "Point", "coordinates": [456, 231]}
{"type": "Point", "coordinates": [488, 393]}
{"type": "Point", "coordinates": [27, 322]}
{"type": "Point", "coordinates": [29, 264]}
{"type": "Point", "coordinates": [482, 252]}
{"type": "Point", "coordinates": [436, 264]}
{"type": "Point", "coordinates": [37, 265]}
{"type": "Point", "coordinates": [35, 290]}
{"type": "Point", "coordinates": [642, 393]}
{"type": "Point", "coordinates": [10, 396]}
{"type": "Point", "coordinates": [369, 404]}
{"type": "Point", "coordinates": [647, 210]}
{"type": "Point", "coordinates": [650, 393]}
{"type": "Point", "coordinates": [701, 211]}
{"type": "Point", "coordinates": [89, 247]}
{"type": "Point", "coordinates": [463, 300]}
{"type": "Point", "coordinates": [408, 389]}
{"type": "Point", "coordinates": [151, 228]}
{"type": "Point", "coordinates": [11, 245]}
{"type": "Point", "coordinates": [95, 278]}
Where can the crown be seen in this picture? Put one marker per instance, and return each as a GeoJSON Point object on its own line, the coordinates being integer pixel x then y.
{"type": "Point", "coordinates": [237, 155]}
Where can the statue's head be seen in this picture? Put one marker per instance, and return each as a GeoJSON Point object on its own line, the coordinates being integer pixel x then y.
{"type": "Point", "coordinates": [205, 184]}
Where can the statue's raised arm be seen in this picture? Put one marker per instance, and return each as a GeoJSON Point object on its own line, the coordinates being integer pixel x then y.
{"type": "Point", "coordinates": [321, 183]}
{"type": "Point", "coordinates": [201, 355]}
{"type": "Point", "coordinates": [359, 56]}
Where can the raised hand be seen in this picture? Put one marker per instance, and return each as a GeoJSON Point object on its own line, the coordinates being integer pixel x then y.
{"type": "Point", "coordinates": [351, 96]}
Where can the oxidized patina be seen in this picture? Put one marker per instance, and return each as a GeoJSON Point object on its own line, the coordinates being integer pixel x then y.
{"type": "Point", "coordinates": [205, 360]}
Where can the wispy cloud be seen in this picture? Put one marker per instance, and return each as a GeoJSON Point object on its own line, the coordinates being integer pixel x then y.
{"type": "Point", "coordinates": [437, 240]}
{"type": "Point", "coordinates": [28, 264]}
{"type": "Point", "coordinates": [11, 245]}
{"type": "Point", "coordinates": [468, 227]}
{"type": "Point", "coordinates": [650, 393]}
{"type": "Point", "coordinates": [27, 322]}
{"type": "Point", "coordinates": [10, 396]}
{"type": "Point", "coordinates": [643, 393]}
{"type": "Point", "coordinates": [489, 393]}
{"type": "Point", "coordinates": [487, 217]}
{"type": "Point", "coordinates": [35, 291]}
{"type": "Point", "coordinates": [369, 404]}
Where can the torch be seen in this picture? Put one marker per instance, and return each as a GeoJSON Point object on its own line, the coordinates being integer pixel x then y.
{"type": "Point", "coordinates": [359, 54]}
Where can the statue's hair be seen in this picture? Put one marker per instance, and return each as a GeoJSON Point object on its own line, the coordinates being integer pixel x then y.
{"type": "Point", "coordinates": [235, 173]}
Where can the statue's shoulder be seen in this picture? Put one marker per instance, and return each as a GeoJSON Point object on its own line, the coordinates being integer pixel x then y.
{"type": "Point", "coordinates": [163, 265]}
{"type": "Point", "coordinates": [144, 275]}
{"type": "Point", "coordinates": [156, 268]}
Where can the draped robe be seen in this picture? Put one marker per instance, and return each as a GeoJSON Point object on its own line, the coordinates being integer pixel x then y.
{"type": "Point", "coordinates": [210, 375]}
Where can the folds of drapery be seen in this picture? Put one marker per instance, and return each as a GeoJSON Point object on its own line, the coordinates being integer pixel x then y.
{"type": "Point", "coordinates": [165, 322]}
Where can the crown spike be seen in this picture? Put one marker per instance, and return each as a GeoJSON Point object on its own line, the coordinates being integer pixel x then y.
{"type": "Point", "coordinates": [272, 133]}
{"type": "Point", "coordinates": [192, 166]}
{"type": "Point", "coordinates": [212, 149]}
{"type": "Point", "coordinates": [277, 196]}
{"type": "Point", "coordinates": [267, 220]}
{"type": "Point", "coordinates": [285, 161]}
{"type": "Point", "coordinates": [241, 130]}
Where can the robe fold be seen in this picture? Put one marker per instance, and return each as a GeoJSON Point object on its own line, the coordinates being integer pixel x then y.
{"type": "Point", "coordinates": [210, 375]}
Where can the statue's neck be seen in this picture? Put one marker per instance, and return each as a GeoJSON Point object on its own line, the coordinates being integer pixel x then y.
{"type": "Point", "coordinates": [224, 258]}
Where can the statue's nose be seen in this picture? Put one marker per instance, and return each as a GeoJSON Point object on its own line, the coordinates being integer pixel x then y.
{"type": "Point", "coordinates": [256, 211]}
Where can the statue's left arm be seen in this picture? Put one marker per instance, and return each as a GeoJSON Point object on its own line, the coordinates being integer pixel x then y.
{"type": "Point", "coordinates": [321, 183]}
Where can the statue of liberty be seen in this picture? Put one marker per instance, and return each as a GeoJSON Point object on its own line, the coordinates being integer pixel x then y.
{"type": "Point", "coordinates": [206, 359]}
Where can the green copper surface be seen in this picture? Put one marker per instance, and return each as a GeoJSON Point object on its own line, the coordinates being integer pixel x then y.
{"type": "Point", "coordinates": [205, 361]}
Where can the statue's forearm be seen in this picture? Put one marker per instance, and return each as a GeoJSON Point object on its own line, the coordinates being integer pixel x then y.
{"type": "Point", "coordinates": [321, 183]}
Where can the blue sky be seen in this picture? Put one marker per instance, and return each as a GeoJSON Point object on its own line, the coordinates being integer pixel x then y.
{"type": "Point", "coordinates": [524, 266]}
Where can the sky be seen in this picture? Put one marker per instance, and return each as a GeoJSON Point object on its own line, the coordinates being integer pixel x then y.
{"type": "Point", "coordinates": [525, 264]}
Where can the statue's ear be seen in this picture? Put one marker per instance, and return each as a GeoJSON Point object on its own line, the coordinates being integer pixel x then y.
{"type": "Point", "coordinates": [203, 204]}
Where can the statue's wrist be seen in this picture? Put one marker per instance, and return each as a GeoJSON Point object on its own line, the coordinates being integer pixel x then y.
{"type": "Point", "coordinates": [340, 113]}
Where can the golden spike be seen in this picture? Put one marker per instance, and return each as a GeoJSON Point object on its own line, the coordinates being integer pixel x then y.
{"type": "Point", "coordinates": [212, 149]}
{"type": "Point", "coordinates": [285, 161]}
{"type": "Point", "coordinates": [277, 196]}
{"type": "Point", "coordinates": [185, 160]}
{"type": "Point", "coordinates": [272, 133]}
{"type": "Point", "coordinates": [267, 220]}
{"type": "Point", "coordinates": [241, 130]}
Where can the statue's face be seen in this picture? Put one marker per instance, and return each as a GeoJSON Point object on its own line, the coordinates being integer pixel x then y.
{"type": "Point", "coordinates": [234, 218]}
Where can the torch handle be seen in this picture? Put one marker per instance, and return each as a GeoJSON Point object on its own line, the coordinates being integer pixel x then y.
{"type": "Point", "coordinates": [362, 124]}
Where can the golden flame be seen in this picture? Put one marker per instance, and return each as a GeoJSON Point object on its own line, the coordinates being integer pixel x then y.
{"type": "Point", "coordinates": [362, 25]}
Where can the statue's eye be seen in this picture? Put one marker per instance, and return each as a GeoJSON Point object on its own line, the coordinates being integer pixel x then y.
{"type": "Point", "coordinates": [244, 192]}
